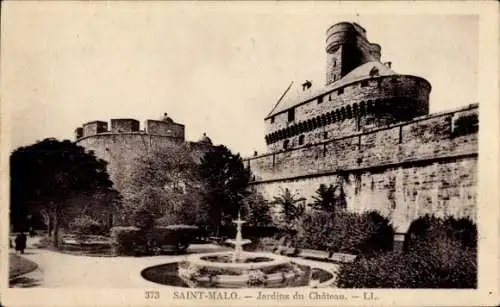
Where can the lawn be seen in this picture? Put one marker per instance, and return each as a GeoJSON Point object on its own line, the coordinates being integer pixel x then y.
{"type": "Point", "coordinates": [19, 266]}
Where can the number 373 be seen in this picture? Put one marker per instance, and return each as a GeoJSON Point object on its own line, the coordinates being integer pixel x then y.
{"type": "Point", "coordinates": [152, 295]}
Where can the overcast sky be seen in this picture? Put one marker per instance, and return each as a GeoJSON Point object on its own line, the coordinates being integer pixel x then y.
{"type": "Point", "coordinates": [216, 70]}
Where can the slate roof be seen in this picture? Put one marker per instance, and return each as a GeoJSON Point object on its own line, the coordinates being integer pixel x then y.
{"type": "Point", "coordinates": [295, 94]}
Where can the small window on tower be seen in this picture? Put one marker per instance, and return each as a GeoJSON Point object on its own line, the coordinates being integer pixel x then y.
{"type": "Point", "coordinates": [334, 62]}
{"type": "Point", "coordinates": [291, 115]}
{"type": "Point", "coordinates": [325, 135]}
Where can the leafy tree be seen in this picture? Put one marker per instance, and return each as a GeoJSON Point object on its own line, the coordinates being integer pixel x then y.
{"type": "Point", "coordinates": [292, 207]}
{"type": "Point", "coordinates": [325, 198]}
{"type": "Point", "coordinates": [227, 181]}
{"type": "Point", "coordinates": [51, 177]}
{"type": "Point", "coordinates": [166, 183]}
{"type": "Point", "coordinates": [329, 198]}
{"type": "Point", "coordinates": [256, 209]}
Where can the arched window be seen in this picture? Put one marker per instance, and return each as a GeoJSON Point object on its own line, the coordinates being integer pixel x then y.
{"type": "Point", "coordinates": [328, 118]}
{"type": "Point", "coordinates": [301, 139]}
{"type": "Point", "coordinates": [355, 109]}
{"type": "Point", "coordinates": [362, 108]}
{"type": "Point", "coordinates": [342, 111]}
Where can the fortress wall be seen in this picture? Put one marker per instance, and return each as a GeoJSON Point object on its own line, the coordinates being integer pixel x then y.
{"type": "Point", "coordinates": [120, 150]}
{"type": "Point", "coordinates": [424, 138]}
{"type": "Point", "coordinates": [421, 165]}
{"type": "Point", "coordinates": [402, 193]}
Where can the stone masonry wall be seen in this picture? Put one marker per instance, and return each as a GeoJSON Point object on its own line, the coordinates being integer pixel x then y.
{"type": "Point", "coordinates": [371, 101]}
{"type": "Point", "coordinates": [402, 193]}
{"type": "Point", "coordinates": [121, 149]}
{"type": "Point", "coordinates": [423, 163]}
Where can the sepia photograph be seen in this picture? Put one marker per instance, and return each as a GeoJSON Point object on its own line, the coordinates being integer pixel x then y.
{"type": "Point", "coordinates": [243, 153]}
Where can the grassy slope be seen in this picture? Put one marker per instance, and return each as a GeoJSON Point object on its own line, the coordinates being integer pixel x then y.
{"type": "Point", "coordinates": [19, 266]}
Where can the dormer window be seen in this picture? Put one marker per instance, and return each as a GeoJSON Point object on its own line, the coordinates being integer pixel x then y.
{"type": "Point", "coordinates": [374, 72]}
{"type": "Point", "coordinates": [306, 85]}
{"type": "Point", "coordinates": [364, 83]}
{"type": "Point", "coordinates": [340, 91]}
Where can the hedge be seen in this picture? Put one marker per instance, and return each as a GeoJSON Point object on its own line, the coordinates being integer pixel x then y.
{"type": "Point", "coordinates": [86, 225]}
{"type": "Point", "coordinates": [346, 232]}
{"type": "Point", "coordinates": [440, 254]}
{"type": "Point", "coordinates": [134, 241]}
{"type": "Point", "coordinates": [124, 239]}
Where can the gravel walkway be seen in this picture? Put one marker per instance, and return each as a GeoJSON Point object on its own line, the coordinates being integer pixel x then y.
{"type": "Point", "coordinates": [64, 270]}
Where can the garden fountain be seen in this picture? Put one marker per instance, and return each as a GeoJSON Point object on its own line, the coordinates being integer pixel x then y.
{"type": "Point", "coordinates": [238, 242]}
{"type": "Point", "coordinates": [238, 269]}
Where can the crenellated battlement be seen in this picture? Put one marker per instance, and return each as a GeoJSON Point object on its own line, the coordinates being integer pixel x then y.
{"type": "Point", "coordinates": [165, 127]}
{"type": "Point", "coordinates": [123, 142]}
{"type": "Point", "coordinates": [426, 137]}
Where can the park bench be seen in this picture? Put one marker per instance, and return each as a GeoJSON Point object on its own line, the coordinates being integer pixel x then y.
{"type": "Point", "coordinates": [289, 251]}
{"type": "Point", "coordinates": [314, 254]}
{"type": "Point", "coordinates": [342, 258]}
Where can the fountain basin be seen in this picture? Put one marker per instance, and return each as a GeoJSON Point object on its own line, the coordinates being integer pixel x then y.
{"type": "Point", "coordinates": [168, 274]}
{"type": "Point", "coordinates": [252, 270]}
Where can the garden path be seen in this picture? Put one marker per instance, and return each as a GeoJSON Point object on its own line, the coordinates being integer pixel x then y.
{"type": "Point", "coordinates": [57, 270]}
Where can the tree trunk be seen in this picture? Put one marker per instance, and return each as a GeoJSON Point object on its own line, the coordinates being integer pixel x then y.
{"type": "Point", "coordinates": [49, 226]}
{"type": "Point", "coordinates": [47, 220]}
{"type": "Point", "coordinates": [55, 234]}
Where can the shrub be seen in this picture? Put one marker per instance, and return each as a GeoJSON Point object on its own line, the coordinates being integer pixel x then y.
{"type": "Point", "coordinates": [124, 240]}
{"type": "Point", "coordinates": [85, 225]}
{"type": "Point", "coordinates": [347, 232]}
{"type": "Point", "coordinates": [179, 236]}
{"type": "Point", "coordinates": [135, 241]}
{"type": "Point", "coordinates": [144, 219]}
{"type": "Point", "coordinates": [439, 254]}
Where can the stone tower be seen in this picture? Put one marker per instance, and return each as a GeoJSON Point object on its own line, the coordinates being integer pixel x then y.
{"type": "Point", "coordinates": [347, 48]}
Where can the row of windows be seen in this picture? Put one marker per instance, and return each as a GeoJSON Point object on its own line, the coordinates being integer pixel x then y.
{"type": "Point", "coordinates": [340, 91]}
{"type": "Point", "coordinates": [286, 143]}
{"type": "Point", "coordinates": [337, 115]}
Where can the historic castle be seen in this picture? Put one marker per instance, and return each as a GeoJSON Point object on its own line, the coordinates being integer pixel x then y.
{"type": "Point", "coordinates": [369, 133]}
{"type": "Point", "coordinates": [125, 141]}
